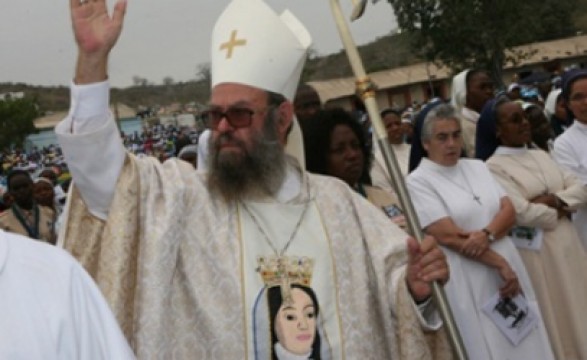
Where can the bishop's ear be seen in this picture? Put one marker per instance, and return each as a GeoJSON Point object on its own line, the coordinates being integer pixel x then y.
{"type": "Point", "coordinates": [285, 118]}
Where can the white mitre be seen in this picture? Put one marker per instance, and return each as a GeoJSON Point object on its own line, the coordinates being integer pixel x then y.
{"type": "Point", "coordinates": [254, 46]}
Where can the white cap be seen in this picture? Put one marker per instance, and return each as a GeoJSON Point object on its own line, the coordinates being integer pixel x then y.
{"type": "Point", "coordinates": [252, 45]}
{"type": "Point", "coordinates": [513, 86]}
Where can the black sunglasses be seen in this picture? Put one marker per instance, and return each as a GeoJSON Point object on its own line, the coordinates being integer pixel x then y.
{"type": "Point", "coordinates": [236, 117]}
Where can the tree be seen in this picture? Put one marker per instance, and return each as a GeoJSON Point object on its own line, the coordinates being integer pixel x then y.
{"type": "Point", "coordinates": [556, 18]}
{"type": "Point", "coordinates": [477, 33]}
{"type": "Point", "coordinates": [204, 74]}
{"type": "Point", "coordinates": [139, 81]}
{"type": "Point", "coordinates": [168, 81]}
{"type": "Point", "coordinates": [16, 121]}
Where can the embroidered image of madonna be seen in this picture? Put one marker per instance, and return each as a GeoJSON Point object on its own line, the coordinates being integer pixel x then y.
{"type": "Point", "coordinates": [287, 315]}
{"type": "Point", "coordinates": [293, 325]}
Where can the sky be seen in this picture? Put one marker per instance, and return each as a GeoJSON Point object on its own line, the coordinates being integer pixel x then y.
{"type": "Point", "coordinates": [161, 38]}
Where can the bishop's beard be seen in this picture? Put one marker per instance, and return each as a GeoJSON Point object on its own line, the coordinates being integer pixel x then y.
{"type": "Point", "coordinates": [253, 173]}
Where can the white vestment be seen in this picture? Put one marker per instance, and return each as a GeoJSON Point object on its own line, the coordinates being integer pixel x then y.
{"type": "Point", "coordinates": [439, 192]}
{"type": "Point", "coordinates": [179, 265]}
{"type": "Point", "coordinates": [51, 308]}
{"type": "Point", "coordinates": [570, 150]}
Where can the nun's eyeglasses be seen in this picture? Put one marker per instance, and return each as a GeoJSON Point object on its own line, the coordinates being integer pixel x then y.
{"type": "Point", "coordinates": [237, 117]}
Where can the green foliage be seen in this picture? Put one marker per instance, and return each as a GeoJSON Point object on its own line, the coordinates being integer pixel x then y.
{"type": "Point", "coordinates": [477, 33]}
{"type": "Point", "coordinates": [16, 121]}
{"type": "Point", "coordinates": [555, 18]}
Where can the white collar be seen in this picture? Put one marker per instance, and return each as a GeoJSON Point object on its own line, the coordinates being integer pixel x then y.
{"type": "Point", "coordinates": [429, 164]}
{"type": "Point", "coordinates": [507, 150]}
{"type": "Point", "coordinates": [283, 354]}
{"type": "Point", "coordinates": [580, 126]}
{"type": "Point", "coordinates": [470, 114]}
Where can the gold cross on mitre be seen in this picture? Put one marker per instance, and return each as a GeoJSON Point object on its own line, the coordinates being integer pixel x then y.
{"type": "Point", "coordinates": [231, 44]}
{"type": "Point", "coordinates": [283, 271]}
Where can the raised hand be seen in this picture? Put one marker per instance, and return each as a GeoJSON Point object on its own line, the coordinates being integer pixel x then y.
{"type": "Point", "coordinates": [426, 263]}
{"type": "Point", "coordinates": [96, 33]}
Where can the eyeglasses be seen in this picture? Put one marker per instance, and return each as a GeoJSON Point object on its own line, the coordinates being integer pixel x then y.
{"type": "Point", "coordinates": [236, 117]}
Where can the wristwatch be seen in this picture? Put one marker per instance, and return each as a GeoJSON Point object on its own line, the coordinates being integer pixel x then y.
{"type": "Point", "coordinates": [489, 234]}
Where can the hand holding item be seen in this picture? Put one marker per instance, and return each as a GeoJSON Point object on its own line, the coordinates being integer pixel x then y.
{"type": "Point", "coordinates": [511, 286]}
{"type": "Point", "coordinates": [426, 263]}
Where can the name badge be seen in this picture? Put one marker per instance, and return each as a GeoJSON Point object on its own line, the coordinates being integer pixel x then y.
{"type": "Point", "coordinates": [392, 211]}
{"type": "Point", "coordinates": [526, 237]}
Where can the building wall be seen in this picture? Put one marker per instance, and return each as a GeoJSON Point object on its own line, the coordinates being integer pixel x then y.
{"type": "Point", "coordinates": [406, 95]}
{"type": "Point", "coordinates": [47, 137]}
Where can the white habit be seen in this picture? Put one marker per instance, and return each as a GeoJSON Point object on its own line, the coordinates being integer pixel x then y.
{"type": "Point", "coordinates": [439, 192]}
{"type": "Point", "coordinates": [570, 150]}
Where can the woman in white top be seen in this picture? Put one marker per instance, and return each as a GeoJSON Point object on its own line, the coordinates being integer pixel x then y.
{"type": "Point", "coordinates": [459, 202]}
{"type": "Point", "coordinates": [543, 195]}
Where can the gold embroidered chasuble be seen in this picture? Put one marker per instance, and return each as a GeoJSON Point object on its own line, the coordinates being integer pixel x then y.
{"type": "Point", "coordinates": [172, 263]}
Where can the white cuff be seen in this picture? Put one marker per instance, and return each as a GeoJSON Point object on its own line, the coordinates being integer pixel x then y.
{"type": "Point", "coordinates": [95, 161]}
{"type": "Point", "coordinates": [89, 104]}
{"type": "Point", "coordinates": [428, 315]}
{"type": "Point", "coordinates": [89, 100]}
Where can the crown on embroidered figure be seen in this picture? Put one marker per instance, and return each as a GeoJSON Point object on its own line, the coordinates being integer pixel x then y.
{"type": "Point", "coordinates": [274, 269]}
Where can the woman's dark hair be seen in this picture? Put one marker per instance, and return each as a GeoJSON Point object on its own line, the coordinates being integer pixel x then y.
{"type": "Point", "coordinates": [275, 301]}
{"type": "Point", "coordinates": [388, 111]}
{"type": "Point", "coordinates": [14, 173]}
{"type": "Point", "coordinates": [317, 131]}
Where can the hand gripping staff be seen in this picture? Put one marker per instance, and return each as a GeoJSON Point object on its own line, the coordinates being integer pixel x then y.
{"type": "Point", "coordinates": [366, 90]}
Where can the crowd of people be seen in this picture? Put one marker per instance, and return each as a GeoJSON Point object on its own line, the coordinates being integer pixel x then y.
{"type": "Point", "coordinates": [277, 234]}
{"type": "Point", "coordinates": [48, 163]}
{"type": "Point", "coordinates": [495, 179]}
{"type": "Point", "coordinates": [162, 142]}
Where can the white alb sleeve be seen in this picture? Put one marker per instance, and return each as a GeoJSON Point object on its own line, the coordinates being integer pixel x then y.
{"type": "Point", "coordinates": [92, 146]}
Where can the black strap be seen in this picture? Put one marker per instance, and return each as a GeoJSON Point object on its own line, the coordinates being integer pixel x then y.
{"type": "Point", "coordinates": [34, 230]}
